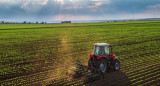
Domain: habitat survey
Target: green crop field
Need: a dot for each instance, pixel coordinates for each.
(42, 54)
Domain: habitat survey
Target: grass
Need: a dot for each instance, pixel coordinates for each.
(32, 48)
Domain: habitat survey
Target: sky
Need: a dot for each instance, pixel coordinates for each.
(61, 10)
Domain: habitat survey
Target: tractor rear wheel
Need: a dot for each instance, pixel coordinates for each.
(103, 65)
(116, 65)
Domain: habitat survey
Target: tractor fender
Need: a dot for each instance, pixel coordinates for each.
(91, 55)
(112, 56)
(102, 56)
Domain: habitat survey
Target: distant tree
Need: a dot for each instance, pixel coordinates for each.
(65, 21)
(2, 22)
(42, 23)
(24, 22)
(36, 22)
(45, 22)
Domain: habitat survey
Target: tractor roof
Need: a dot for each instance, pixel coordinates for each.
(101, 44)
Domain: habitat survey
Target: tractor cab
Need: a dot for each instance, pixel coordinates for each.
(101, 49)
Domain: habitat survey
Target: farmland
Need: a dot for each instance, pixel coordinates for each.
(42, 54)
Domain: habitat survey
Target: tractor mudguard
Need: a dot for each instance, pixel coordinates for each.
(102, 56)
(112, 56)
(91, 55)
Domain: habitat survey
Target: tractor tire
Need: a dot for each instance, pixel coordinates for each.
(116, 65)
(90, 66)
(103, 65)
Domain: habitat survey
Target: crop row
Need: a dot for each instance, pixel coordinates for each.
(137, 63)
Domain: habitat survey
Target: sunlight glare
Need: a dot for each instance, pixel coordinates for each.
(60, 1)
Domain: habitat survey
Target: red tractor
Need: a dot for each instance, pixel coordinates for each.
(102, 58)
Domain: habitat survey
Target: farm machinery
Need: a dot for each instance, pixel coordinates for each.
(103, 59)
(99, 62)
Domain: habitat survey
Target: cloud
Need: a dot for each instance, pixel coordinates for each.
(102, 1)
(8, 1)
(45, 2)
(77, 9)
(154, 6)
(33, 6)
(72, 7)
(60, 17)
(60, 1)
(43, 8)
(95, 5)
(146, 14)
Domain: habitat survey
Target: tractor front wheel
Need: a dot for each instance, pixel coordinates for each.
(116, 65)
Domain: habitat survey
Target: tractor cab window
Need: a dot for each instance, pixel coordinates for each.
(98, 51)
(106, 51)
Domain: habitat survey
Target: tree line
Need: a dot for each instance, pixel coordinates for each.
(25, 22)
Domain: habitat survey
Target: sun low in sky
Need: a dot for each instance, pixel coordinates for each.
(59, 10)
